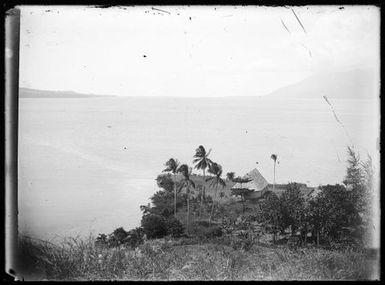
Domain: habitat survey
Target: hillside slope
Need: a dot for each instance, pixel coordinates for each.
(34, 93)
(353, 84)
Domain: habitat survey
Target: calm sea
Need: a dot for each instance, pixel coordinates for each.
(86, 165)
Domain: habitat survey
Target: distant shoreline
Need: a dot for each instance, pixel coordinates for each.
(37, 94)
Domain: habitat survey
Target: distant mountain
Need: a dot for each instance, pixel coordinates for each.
(354, 84)
(34, 93)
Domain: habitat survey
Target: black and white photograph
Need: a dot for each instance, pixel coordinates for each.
(185, 143)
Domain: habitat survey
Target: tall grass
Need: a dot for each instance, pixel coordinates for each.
(77, 259)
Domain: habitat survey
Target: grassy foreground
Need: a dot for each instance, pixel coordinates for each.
(186, 259)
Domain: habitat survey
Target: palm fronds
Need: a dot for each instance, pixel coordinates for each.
(215, 169)
(201, 158)
(184, 170)
(171, 165)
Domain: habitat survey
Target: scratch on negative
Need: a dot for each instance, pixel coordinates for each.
(307, 49)
(334, 113)
(285, 26)
(160, 10)
(335, 116)
(299, 20)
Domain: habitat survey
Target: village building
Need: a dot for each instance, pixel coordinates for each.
(259, 186)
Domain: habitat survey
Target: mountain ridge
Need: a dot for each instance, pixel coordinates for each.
(352, 84)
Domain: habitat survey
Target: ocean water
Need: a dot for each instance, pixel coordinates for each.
(86, 165)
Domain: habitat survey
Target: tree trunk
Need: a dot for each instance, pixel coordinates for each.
(274, 177)
(212, 207)
(305, 237)
(317, 237)
(175, 195)
(202, 193)
(188, 212)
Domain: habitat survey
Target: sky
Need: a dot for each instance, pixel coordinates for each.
(196, 51)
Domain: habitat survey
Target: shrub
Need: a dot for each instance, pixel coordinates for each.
(333, 213)
(154, 226)
(203, 223)
(134, 237)
(200, 230)
(243, 239)
(101, 240)
(292, 208)
(120, 234)
(214, 232)
(293, 242)
(174, 227)
(163, 203)
(117, 237)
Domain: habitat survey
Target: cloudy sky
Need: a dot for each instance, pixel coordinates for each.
(191, 51)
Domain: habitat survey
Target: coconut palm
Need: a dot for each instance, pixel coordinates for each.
(274, 157)
(230, 175)
(172, 167)
(202, 161)
(186, 183)
(216, 170)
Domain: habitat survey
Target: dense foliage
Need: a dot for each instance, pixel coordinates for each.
(271, 213)
(154, 226)
(174, 227)
(163, 201)
(339, 213)
(292, 207)
(337, 208)
(119, 236)
(241, 192)
(135, 237)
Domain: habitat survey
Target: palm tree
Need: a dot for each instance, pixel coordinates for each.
(202, 162)
(172, 166)
(274, 157)
(216, 180)
(230, 175)
(186, 183)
